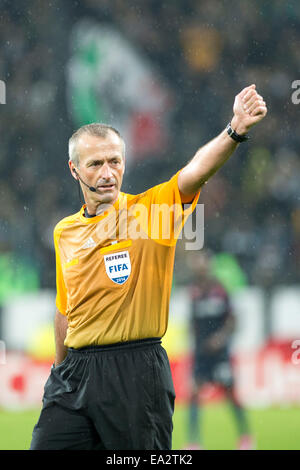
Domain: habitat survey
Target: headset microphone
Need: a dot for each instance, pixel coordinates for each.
(91, 188)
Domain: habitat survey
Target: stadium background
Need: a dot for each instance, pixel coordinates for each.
(165, 74)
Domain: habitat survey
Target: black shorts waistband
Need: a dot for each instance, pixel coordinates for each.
(116, 346)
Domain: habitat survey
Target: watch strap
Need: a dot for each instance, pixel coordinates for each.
(234, 135)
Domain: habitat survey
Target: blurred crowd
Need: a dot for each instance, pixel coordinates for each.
(207, 52)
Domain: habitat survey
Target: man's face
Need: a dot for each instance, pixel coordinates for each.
(101, 165)
(201, 265)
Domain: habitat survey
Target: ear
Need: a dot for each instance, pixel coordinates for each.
(73, 170)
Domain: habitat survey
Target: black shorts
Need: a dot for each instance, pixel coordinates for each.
(115, 397)
(214, 368)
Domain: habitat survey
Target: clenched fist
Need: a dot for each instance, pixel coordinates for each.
(249, 108)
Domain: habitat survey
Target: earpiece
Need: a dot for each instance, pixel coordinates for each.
(91, 188)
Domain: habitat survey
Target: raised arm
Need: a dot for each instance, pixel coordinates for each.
(249, 108)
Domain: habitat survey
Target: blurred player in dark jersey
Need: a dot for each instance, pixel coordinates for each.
(212, 326)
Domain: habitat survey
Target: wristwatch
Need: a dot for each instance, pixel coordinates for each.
(234, 135)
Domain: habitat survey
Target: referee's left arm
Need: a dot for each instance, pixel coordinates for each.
(60, 329)
(249, 108)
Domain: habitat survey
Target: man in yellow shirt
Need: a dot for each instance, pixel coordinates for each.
(111, 385)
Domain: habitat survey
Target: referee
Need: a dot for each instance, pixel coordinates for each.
(110, 386)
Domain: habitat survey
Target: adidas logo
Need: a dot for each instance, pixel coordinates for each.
(89, 244)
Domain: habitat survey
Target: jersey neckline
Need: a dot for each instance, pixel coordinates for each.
(97, 218)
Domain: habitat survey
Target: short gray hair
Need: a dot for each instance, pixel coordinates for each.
(96, 129)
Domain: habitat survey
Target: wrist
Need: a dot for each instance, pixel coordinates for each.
(238, 126)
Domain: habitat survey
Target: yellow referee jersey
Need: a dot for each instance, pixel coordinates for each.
(114, 271)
